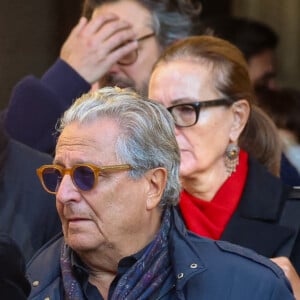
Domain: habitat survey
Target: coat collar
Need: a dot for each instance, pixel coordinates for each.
(264, 194)
(255, 223)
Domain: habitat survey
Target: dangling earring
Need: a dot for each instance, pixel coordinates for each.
(231, 158)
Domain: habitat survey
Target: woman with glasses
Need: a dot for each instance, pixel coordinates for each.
(229, 149)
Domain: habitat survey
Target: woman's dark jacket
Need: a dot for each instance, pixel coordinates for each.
(267, 219)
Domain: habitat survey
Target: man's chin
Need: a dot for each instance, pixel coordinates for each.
(80, 241)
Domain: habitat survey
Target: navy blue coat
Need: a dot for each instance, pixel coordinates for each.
(202, 269)
(27, 213)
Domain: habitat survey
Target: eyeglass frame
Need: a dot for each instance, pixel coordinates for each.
(198, 105)
(136, 51)
(70, 171)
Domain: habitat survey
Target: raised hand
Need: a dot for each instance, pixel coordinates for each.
(94, 46)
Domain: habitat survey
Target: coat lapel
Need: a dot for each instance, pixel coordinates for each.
(255, 223)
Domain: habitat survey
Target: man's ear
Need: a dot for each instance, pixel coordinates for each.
(241, 112)
(157, 179)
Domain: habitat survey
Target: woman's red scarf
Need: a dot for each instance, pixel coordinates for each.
(209, 219)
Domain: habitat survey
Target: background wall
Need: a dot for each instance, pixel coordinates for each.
(32, 32)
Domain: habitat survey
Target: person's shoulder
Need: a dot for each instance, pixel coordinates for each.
(239, 270)
(250, 256)
(225, 254)
(226, 270)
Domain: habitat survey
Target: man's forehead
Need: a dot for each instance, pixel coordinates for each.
(88, 141)
(127, 10)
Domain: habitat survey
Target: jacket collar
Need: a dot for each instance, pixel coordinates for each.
(44, 268)
(185, 258)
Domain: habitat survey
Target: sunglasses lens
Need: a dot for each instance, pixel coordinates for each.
(84, 178)
(52, 178)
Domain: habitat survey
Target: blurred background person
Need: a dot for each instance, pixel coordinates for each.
(283, 106)
(257, 41)
(224, 140)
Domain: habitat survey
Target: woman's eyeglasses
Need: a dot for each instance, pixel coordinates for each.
(187, 114)
(131, 57)
(84, 176)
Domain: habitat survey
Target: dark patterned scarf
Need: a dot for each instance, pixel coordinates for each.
(144, 278)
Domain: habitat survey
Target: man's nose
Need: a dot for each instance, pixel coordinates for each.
(67, 191)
